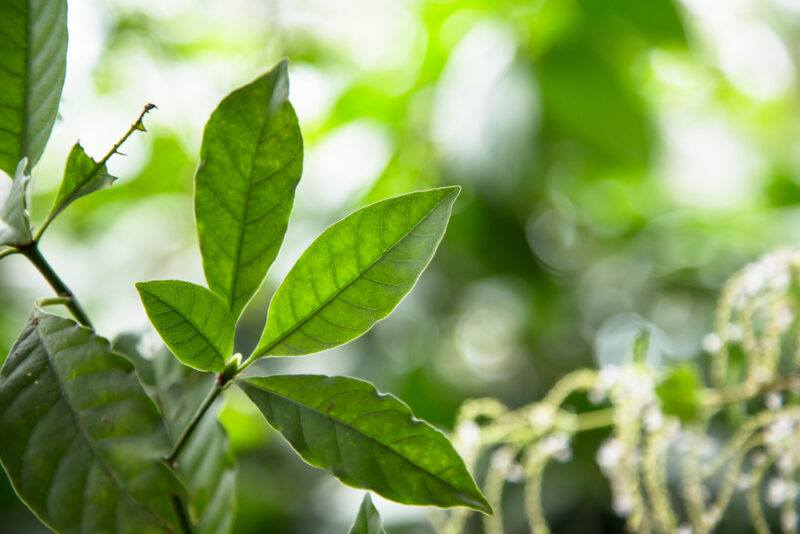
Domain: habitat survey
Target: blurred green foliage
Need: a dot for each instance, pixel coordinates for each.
(619, 160)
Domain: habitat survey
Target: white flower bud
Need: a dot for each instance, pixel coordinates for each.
(712, 343)
(610, 454)
(774, 401)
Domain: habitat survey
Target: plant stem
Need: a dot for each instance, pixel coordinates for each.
(594, 419)
(34, 255)
(8, 252)
(747, 390)
(219, 385)
(179, 507)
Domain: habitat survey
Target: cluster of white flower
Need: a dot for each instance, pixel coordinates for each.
(556, 445)
(634, 383)
(772, 272)
(609, 455)
(780, 490)
(782, 442)
(542, 417)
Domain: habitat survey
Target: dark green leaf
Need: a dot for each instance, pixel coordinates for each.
(368, 520)
(588, 102)
(33, 59)
(193, 322)
(355, 273)
(15, 228)
(365, 439)
(82, 176)
(250, 162)
(206, 464)
(680, 393)
(79, 438)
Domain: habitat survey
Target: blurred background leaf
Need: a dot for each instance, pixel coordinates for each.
(619, 160)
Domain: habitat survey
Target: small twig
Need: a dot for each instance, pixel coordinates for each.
(35, 257)
(52, 301)
(138, 124)
(8, 252)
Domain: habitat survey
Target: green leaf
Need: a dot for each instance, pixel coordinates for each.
(365, 439)
(355, 273)
(206, 464)
(680, 393)
(193, 322)
(250, 163)
(15, 227)
(82, 175)
(80, 440)
(33, 60)
(368, 520)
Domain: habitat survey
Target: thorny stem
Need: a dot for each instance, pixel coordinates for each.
(138, 124)
(34, 255)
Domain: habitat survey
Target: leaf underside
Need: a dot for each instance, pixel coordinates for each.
(206, 463)
(365, 439)
(251, 162)
(33, 58)
(193, 322)
(15, 226)
(355, 273)
(368, 520)
(79, 438)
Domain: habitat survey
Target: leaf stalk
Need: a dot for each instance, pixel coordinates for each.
(183, 439)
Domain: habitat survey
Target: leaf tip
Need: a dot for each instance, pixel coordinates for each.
(484, 507)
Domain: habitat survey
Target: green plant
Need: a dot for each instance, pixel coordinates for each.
(738, 435)
(121, 437)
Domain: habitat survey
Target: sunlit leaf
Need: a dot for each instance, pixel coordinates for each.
(206, 464)
(366, 439)
(355, 273)
(251, 161)
(193, 322)
(82, 175)
(15, 228)
(368, 520)
(80, 440)
(33, 58)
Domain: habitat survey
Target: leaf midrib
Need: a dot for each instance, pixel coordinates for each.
(76, 419)
(347, 284)
(372, 439)
(243, 220)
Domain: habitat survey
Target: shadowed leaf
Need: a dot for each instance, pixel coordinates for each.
(206, 464)
(80, 440)
(368, 520)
